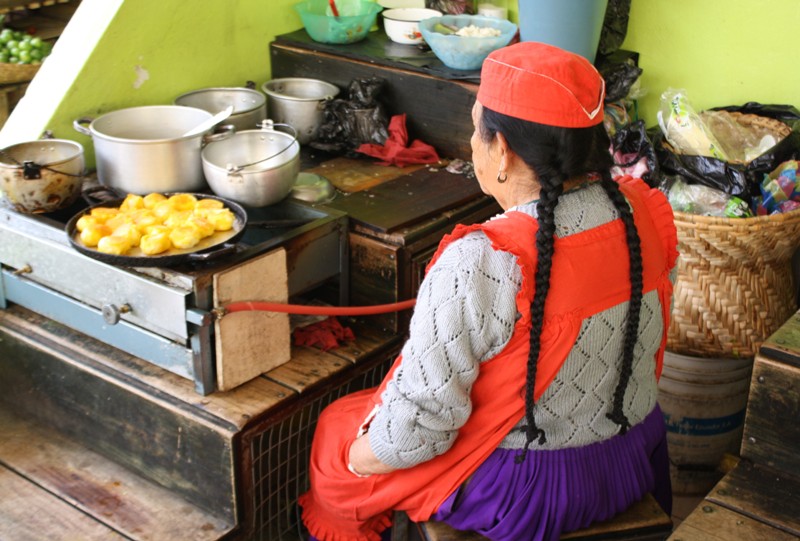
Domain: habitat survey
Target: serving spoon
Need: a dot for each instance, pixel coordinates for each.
(210, 123)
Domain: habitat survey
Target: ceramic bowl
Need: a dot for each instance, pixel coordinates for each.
(402, 24)
(392, 4)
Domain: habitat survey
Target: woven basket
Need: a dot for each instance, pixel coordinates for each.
(17, 73)
(735, 285)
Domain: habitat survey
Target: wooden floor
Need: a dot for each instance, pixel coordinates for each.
(57, 490)
(65, 492)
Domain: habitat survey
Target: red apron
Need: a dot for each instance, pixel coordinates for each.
(589, 274)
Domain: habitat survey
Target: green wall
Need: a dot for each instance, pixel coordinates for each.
(150, 52)
(722, 52)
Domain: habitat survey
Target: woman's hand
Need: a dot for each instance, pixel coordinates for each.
(363, 460)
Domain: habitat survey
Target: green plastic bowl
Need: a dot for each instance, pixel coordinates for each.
(461, 52)
(355, 19)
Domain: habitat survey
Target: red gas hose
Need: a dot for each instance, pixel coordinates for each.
(247, 306)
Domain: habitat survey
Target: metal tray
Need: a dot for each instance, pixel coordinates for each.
(211, 248)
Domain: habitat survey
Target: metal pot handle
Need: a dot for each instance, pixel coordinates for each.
(219, 133)
(267, 126)
(78, 125)
(321, 104)
(224, 249)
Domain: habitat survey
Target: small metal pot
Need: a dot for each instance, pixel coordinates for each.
(300, 103)
(249, 105)
(142, 149)
(256, 168)
(41, 176)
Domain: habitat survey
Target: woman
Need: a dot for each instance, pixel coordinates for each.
(524, 402)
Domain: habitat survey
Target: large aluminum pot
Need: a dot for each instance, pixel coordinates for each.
(142, 149)
(41, 176)
(256, 168)
(249, 105)
(300, 103)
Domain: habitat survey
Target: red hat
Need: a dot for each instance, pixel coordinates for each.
(542, 83)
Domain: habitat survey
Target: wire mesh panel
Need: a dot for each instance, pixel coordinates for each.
(280, 450)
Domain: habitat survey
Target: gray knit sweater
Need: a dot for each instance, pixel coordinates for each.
(465, 314)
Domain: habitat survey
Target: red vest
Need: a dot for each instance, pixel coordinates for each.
(590, 273)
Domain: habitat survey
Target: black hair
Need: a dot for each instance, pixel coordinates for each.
(556, 155)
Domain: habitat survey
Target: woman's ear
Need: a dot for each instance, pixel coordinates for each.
(503, 151)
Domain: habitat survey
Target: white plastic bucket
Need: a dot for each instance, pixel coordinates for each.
(704, 402)
(574, 25)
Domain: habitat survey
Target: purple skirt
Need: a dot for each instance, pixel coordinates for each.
(554, 492)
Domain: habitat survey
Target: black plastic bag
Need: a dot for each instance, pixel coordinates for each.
(615, 26)
(633, 143)
(619, 78)
(451, 7)
(349, 123)
(741, 180)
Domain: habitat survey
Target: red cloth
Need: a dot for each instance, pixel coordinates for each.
(343, 507)
(542, 83)
(327, 334)
(395, 151)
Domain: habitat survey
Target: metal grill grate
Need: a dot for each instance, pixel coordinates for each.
(281, 454)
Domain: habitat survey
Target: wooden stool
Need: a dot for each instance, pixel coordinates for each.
(643, 521)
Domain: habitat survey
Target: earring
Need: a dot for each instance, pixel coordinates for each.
(502, 176)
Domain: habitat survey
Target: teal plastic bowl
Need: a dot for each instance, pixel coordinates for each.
(462, 52)
(355, 19)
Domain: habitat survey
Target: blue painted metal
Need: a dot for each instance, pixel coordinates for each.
(151, 347)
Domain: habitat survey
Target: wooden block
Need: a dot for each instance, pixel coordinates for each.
(353, 175)
(771, 434)
(251, 343)
(643, 517)
(643, 520)
(409, 199)
(763, 493)
(712, 522)
(784, 344)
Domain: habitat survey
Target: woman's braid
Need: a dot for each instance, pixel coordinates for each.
(551, 189)
(617, 413)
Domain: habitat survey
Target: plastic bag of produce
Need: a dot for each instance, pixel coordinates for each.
(780, 190)
(736, 178)
(684, 129)
(702, 200)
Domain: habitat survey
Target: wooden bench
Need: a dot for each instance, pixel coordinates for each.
(644, 521)
(758, 498)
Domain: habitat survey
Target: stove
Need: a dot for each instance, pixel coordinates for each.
(162, 315)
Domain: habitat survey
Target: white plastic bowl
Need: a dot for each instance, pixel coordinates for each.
(402, 24)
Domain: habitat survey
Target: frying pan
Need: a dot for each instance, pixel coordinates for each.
(210, 248)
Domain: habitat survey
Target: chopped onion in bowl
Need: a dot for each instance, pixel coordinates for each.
(473, 31)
